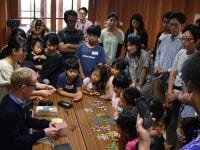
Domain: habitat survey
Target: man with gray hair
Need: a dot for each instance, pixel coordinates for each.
(14, 120)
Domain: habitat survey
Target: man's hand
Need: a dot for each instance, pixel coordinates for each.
(51, 131)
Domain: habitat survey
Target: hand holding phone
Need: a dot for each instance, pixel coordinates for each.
(144, 112)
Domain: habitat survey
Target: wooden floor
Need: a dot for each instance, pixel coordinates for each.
(90, 126)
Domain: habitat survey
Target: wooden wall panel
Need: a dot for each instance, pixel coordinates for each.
(151, 10)
(3, 18)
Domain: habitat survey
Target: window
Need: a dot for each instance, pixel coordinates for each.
(50, 11)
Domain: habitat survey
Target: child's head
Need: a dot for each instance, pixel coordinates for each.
(71, 67)
(118, 66)
(99, 76)
(37, 45)
(52, 41)
(126, 123)
(93, 32)
(120, 82)
(128, 96)
(155, 107)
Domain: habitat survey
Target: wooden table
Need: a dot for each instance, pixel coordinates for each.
(88, 123)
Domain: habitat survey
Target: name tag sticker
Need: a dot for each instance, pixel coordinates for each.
(95, 53)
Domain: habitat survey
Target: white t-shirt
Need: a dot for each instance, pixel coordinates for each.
(180, 58)
(6, 71)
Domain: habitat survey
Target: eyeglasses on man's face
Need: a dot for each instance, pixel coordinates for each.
(31, 85)
(186, 39)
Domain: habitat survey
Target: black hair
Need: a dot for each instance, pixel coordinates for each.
(15, 42)
(179, 16)
(121, 81)
(119, 63)
(94, 30)
(194, 30)
(69, 13)
(138, 17)
(112, 15)
(126, 121)
(191, 71)
(18, 31)
(155, 107)
(137, 42)
(71, 63)
(52, 37)
(197, 22)
(130, 94)
(35, 40)
(104, 77)
(84, 9)
(166, 15)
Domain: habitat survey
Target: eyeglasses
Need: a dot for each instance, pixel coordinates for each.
(186, 39)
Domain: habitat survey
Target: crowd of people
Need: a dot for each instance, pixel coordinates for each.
(82, 59)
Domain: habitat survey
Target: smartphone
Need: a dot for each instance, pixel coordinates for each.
(156, 74)
(144, 112)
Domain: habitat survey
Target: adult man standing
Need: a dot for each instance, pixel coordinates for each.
(83, 23)
(14, 120)
(70, 38)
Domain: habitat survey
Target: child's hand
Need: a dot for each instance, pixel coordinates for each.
(36, 57)
(77, 96)
(43, 57)
(38, 67)
(95, 93)
(107, 97)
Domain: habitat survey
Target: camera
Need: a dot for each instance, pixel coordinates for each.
(38, 24)
(13, 23)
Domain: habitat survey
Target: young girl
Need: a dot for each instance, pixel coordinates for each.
(37, 56)
(95, 84)
(127, 134)
(155, 131)
(127, 99)
(117, 68)
(119, 83)
(69, 82)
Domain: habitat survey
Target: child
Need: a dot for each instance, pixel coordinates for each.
(126, 123)
(119, 83)
(155, 131)
(91, 53)
(69, 82)
(37, 56)
(117, 68)
(95, 84)
(127, 100)
(53, 65)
